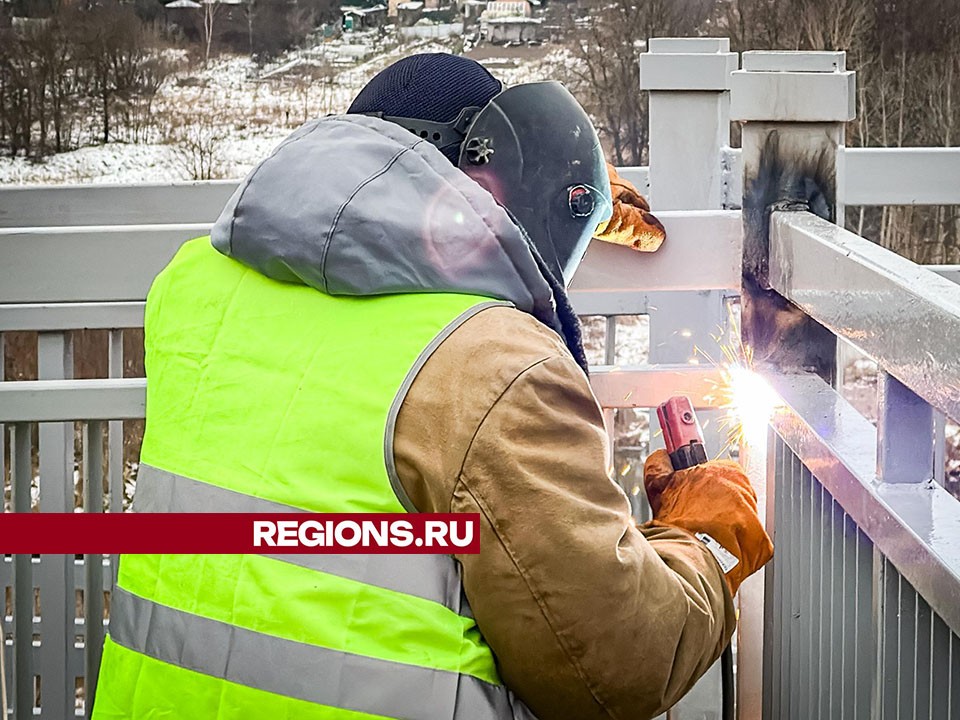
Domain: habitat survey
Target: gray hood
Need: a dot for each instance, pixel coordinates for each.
(354, 205)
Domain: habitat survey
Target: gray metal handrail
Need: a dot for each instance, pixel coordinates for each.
(86, 263)
(908, 319)
(882, 176)
(136, 204)
(33, 401)
(905, 316)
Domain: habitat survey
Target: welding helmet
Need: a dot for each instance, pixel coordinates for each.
(535, 150)
(531, 146)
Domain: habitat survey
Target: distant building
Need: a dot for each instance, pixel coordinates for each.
(510, 21)
(472, 10)
(408, 13)
(364, 18)
(513, 30)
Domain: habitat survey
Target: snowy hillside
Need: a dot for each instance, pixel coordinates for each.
(240, 114)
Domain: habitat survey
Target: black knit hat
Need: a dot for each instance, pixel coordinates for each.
(430, 86)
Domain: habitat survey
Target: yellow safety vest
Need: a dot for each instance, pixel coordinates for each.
(263, 397)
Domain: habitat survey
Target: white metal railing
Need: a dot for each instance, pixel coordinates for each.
(873, 176)
(901, 314)
(613, 281)
(85, 257)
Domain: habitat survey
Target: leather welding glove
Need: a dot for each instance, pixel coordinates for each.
(715, 498)
(632, 223)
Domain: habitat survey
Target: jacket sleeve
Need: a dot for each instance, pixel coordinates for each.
(589, 616)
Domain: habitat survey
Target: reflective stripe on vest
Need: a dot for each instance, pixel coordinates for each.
(297, 670)
(431, 577)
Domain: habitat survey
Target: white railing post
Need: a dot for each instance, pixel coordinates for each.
(688, 80)
(793, 106)
(689, 84)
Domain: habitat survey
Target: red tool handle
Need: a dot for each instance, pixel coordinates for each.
(681, 433)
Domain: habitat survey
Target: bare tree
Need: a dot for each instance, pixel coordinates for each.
(250, 8)
(608, 47)
(198, 140)
(833, 24)
(210, 11)
(58, 71)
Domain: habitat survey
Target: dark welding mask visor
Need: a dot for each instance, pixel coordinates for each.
(535, 150)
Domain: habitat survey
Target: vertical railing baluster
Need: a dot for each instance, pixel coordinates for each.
(93, 597)
(826, 604)
(954, 707)
(57, 596)
(939, 670)
(835, 632)
(115, 450)
(849, 638)
(796, 591)
(799, 566)
(867, 635)
(905, 433)
(115, 429)
(610, 341)
(21, 468)
(610, 414)
(890, 641)
(876, 662)
(774, 579)
(784, 537)
(922, 669)
(907, 644)
(815, 613)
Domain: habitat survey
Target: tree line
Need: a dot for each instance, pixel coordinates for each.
(77, 73)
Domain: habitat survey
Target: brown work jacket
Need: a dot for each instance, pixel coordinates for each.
(589, 615)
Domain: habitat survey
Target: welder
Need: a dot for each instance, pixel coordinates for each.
(379, 323)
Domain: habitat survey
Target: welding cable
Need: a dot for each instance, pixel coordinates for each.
(726, 683)
(3, 670)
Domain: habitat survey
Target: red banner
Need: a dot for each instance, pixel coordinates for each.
(233, 533)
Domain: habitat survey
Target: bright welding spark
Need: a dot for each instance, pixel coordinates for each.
(747, 397)
(750, 403)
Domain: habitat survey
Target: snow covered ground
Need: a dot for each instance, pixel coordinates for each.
(248, 111)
